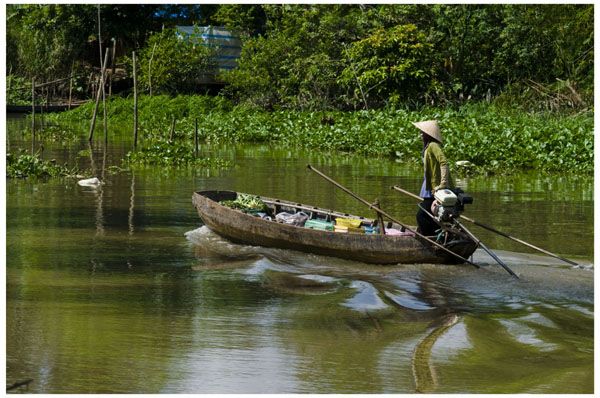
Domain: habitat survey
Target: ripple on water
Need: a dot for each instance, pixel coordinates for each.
(366, 299)
(451, 343)
(526, 335)
(407, 300)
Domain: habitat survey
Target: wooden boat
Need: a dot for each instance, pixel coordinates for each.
(241, 227)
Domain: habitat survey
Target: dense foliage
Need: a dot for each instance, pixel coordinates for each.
(331, 56)
(511, 84)
(170, 64)
(455, 53)
(495, 140)
(44, 39)
(393, 64)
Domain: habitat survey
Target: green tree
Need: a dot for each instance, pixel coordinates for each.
(466, 38)
(296, 61)
(45, 39)
(245, 20)
(173, 64)
(545, 42)
(389, 65)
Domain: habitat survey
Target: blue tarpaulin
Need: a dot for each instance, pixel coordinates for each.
(227, 45)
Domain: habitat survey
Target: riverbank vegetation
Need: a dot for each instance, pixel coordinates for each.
(495, 140)
(511, 84)
(316, 57)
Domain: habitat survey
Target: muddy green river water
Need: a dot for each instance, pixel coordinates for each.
(121, 289)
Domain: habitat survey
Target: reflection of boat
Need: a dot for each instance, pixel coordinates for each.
(240, 227)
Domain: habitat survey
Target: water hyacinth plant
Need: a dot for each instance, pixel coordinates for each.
(25, 165)
(494, 140)
(171, 154)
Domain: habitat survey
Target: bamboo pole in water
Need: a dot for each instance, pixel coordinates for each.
(92, 164)
(32, 115)
(135, 104)
(131, 205)
(98, 93)
(104, 150)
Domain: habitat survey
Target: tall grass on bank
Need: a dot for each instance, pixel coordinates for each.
(495, 140)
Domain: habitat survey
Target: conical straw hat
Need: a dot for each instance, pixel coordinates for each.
(431, 128)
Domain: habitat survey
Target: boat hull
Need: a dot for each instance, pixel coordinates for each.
(240, 227)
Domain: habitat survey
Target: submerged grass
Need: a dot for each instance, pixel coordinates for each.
(495, 140)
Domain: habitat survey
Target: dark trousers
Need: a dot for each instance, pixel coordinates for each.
(426, 224)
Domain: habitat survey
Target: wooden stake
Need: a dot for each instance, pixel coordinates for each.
(32, 115)
(44, 109)
(196, 138)
(90, 84)
(135, 104)
(41, 118)
(112, 69)
(9, 84)
(150, 69)
(71, 84)
(105, 123)
(99, 92)
(172, 130)
(99, 36)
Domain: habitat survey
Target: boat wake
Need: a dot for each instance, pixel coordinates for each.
(410, 287)
(450, 305)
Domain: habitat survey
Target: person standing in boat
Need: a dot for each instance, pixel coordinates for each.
(436, 174)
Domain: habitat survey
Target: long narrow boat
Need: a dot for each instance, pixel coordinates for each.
(241, 227)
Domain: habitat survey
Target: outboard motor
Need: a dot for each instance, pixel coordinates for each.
(449, 204)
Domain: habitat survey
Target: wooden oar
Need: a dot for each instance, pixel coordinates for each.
(474, 238)
(383, 213)
(488, 251)
(397, 188)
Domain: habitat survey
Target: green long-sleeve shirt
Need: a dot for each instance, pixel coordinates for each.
(437, 171)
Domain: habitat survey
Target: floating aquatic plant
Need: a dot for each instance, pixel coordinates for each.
(25, 165)
(167, 153)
